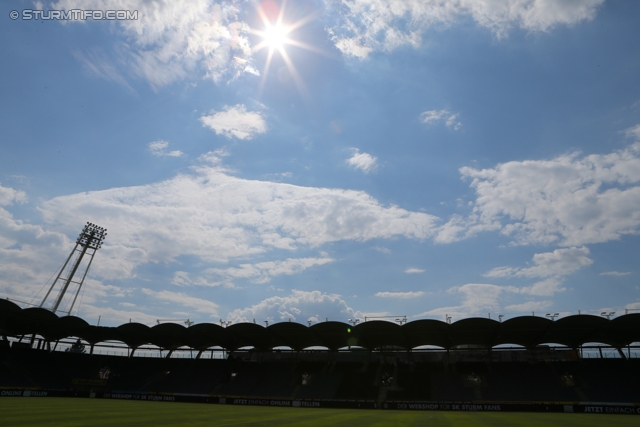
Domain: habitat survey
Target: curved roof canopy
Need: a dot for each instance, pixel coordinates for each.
(134, 334)
(205, 335)
(292, 335)
(527, 331)
(427, 332)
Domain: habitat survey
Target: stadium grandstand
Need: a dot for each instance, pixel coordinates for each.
(523, 363)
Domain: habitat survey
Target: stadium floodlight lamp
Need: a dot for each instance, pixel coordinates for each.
(552, 316)
(354, 322)
(309, 322)
(607, 315)
(266, 322)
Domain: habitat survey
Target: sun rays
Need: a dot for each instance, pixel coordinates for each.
(276, 35)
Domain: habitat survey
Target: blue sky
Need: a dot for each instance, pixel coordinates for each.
(422, 158)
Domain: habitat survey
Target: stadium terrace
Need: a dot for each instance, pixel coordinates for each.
(525, 363)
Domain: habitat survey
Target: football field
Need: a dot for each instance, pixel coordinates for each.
(102, 412)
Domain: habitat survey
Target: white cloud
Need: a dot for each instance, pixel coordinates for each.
(263, 272)
(382, 249)
(170, 40)
(299, 306)
(97, 63)
(633, 132)
(95, 291)
(634, 306)
(351, 46)
(235, 122)
(546, 287)
(26, 252)
(477, 299)
(560, 262)
(529, 306)
(200, 305)
(183, 278)
(9, 196)
(414, 271)
(217, 217)
(365, 26)
(110, 316)
(434, 116)
(29, 255)
(400, 295)
(363, 161)
(615, 273)
(552, 267)
(569, 200)
(157, 148)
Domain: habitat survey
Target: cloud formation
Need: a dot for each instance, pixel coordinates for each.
(9, 196)
(365, 26)
(217, 217)
(479, 299)
(363, 161)
(299, 306)
(170, 40)
(198, 304)
(570, 200)
(615, 273)
(414, 271)
(235, 122)
(97, 63)
(25, 251)
(529, 306)
(434, 116)
(263, 272)
(400, 295)
(157, 148)
(560, 262)
(551, 267)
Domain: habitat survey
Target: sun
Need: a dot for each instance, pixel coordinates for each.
(275, 35)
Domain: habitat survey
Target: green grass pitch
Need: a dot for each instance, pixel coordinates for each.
(102, 412)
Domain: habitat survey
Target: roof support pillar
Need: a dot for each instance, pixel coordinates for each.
(622, 355)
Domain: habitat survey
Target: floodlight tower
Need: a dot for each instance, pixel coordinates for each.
(88, 243)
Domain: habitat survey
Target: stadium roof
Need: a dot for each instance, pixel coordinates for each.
(527, 331)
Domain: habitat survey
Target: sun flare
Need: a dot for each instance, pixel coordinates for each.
(275, 36)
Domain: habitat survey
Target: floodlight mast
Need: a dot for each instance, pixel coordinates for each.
(88, 243)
